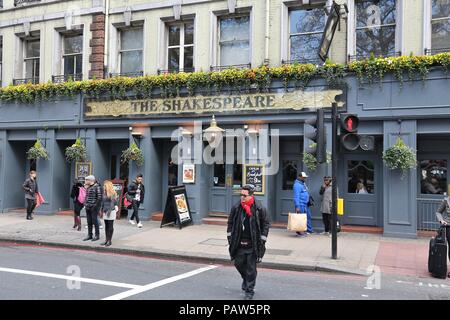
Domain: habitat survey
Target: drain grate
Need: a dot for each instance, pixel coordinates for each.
(278, 252)
(215, 242)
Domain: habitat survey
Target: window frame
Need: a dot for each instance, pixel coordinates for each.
(120, 50)
(181, 46)
(64, 55)
(33, 59)
(431, 156)
(351, 30)
(1, 60)
(428, 26)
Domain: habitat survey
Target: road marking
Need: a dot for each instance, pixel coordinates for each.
(64, 277)
(157, 284)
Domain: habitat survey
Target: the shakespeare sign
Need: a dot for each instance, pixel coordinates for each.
(316, 97)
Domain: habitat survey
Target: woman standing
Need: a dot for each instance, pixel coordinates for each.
(109, 210)
(78, 196)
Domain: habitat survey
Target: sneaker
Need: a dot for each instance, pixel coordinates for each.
(132, 222)
(324, 233)
(139, 225)
(100, 227)
(85, 227)
(301, 234)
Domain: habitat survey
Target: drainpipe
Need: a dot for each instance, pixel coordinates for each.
(267, 37)
(106, 48)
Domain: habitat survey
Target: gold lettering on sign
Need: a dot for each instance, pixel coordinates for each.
(317, 97)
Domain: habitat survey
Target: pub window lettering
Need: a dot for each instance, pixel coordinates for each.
(375, 28)
(305, 33)
(440, 25)
(131, 50)
(234, 43)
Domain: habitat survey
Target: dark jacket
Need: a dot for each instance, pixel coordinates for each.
(259, 228)
(30, 187)
(443, 212)
(94, 197)
(132, 191)
(76, 192)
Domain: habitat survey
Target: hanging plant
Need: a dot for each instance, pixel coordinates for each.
(76, 152)
(311, 162)
(133, 153)
(400, 156)
(37, 151)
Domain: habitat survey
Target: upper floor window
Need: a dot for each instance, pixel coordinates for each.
(1, 59)
(375, 28)
(305, 33)
(180, 49)
(234, 40)
(131, 50)
(440, 25)
(32, 59)
(73, 56)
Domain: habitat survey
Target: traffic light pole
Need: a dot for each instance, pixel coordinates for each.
(334, 169)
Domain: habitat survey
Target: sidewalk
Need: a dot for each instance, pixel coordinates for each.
(356, 252)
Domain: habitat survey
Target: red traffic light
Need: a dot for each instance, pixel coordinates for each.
(349, 122)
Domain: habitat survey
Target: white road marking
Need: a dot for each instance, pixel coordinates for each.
(157, 284)
(64, 277)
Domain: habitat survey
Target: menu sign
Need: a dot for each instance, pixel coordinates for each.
(254, 175)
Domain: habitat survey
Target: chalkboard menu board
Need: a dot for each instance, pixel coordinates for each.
(254, 175)
(118, 185)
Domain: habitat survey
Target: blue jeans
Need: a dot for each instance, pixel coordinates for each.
(305, 209)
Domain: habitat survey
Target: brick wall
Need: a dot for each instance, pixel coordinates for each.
(97, 44)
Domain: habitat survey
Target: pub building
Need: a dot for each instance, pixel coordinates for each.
(58, 41)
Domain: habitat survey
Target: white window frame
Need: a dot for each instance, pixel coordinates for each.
(288, 28)
(63, 54)
(351, 30)
(427, 28)
(25, 59)
(181, 45)
(120, 50)
(1, 60)
(219, 42)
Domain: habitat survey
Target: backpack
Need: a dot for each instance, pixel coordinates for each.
(81, 195)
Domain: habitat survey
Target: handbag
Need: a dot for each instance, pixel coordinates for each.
(39, 199)
(297, 222)
(127, 203)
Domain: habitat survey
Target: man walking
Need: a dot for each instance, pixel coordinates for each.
(247, 232)
(325, 208)
(31, 188)
(136, 191)
(94, 196)
(302, 199)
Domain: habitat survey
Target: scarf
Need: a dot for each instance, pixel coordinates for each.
(247, 206)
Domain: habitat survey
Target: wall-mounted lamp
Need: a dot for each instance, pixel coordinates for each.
(136, 134)
(185, 132)
(252, 132)
(213, 132)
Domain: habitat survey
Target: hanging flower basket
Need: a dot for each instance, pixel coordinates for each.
(76, 152)
(311, 162)
(400, 156)
(133, 153)
(37, 151)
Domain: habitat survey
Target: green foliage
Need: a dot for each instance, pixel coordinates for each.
(311, 162)
(37, 151)
(76, 152)
(400, 156)
(133, 153)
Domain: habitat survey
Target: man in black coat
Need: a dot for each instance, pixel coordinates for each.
(248, 227)
(136, 193)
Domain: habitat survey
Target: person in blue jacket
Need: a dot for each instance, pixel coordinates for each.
(301, 200)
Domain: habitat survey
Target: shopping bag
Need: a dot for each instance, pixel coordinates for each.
(127, 203)
(39, 199)
(297, 222)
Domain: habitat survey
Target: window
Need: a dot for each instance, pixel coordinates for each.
(32, 60)
(73, 56)
(180, 50)
(360, 177)
(172, 173)
(1, 59)
(131, 48)
(289, 174)
(237, 175)
(219, 175)
(433, 178)
(305, 33)
(375, 28)
(234, 40)
(440, 25)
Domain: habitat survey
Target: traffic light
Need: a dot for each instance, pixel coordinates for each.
(318, 136)
(349, 131)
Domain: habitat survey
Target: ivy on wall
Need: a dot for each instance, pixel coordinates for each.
(242, 80)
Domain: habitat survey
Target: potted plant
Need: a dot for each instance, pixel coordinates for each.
(76, 152)
(400, 156)
(133, 153)
(37, 151)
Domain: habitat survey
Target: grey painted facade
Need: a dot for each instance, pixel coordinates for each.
(396, 204)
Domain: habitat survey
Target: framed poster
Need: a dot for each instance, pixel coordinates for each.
(83, 169)
(254, 174)
(119, 186)
(188, 173)
(177, 210)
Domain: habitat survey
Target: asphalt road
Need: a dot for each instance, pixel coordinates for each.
(28, 272)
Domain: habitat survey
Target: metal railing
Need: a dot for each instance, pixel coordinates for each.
(127, 74)
(187, 70)
(33, 80)
(20, 2)
(316, 61)
(436, 51)
(426, 214)
(357, 57)
(67, 77)
(237, 66)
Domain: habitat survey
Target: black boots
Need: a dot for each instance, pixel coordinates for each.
(89, 237)
(78, 220)
(74, 222)
(109, 234)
